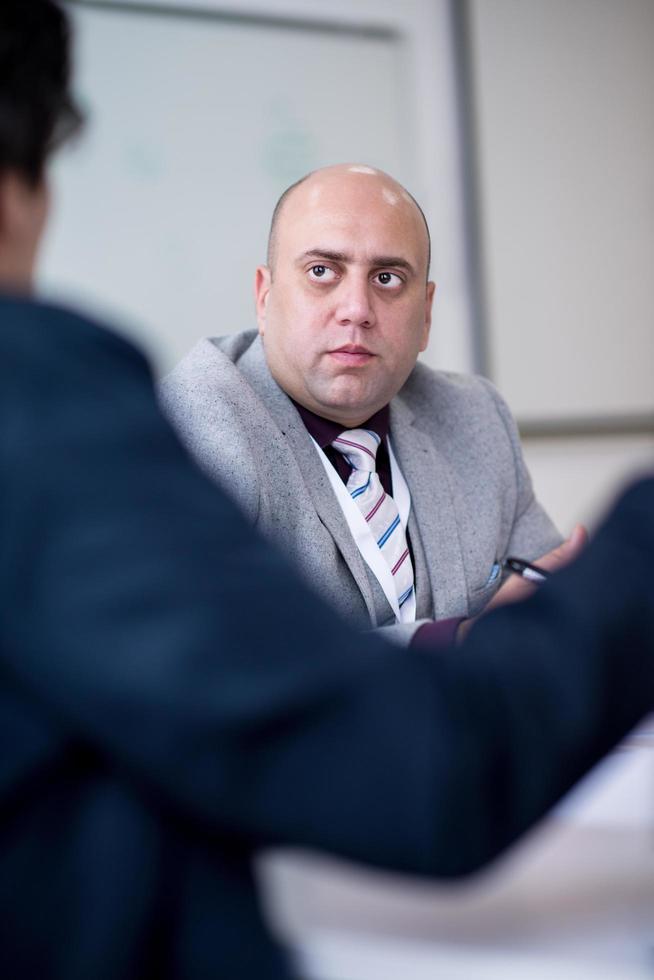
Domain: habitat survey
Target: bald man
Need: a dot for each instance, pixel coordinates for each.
(396, 489)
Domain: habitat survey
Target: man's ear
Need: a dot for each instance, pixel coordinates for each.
(429, 299)
(262, 282)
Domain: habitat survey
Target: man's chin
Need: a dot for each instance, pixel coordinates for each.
(348, 408)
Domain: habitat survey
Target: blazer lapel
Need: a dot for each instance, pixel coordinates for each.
(433, 517)
(254, 368)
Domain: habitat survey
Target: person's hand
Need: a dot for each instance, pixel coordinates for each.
(516, 588)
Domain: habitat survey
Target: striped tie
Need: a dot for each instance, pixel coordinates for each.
(359, 446)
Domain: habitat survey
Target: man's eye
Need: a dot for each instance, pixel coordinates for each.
(389, 280)
(321, 273)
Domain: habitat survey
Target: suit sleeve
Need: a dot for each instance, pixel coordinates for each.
(533, 533)
(150, 622)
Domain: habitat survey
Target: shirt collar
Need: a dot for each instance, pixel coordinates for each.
(324, 431)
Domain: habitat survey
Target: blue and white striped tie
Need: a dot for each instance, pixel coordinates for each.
(359, 446)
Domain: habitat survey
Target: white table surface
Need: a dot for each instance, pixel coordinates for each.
(574, 899)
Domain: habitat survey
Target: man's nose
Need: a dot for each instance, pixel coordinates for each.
(355, 303)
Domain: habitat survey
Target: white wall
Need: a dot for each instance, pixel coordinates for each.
(566, 141)
(565, 135)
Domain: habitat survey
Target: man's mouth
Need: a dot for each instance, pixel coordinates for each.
(352, 354)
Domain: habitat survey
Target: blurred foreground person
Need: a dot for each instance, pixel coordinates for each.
(152, 736)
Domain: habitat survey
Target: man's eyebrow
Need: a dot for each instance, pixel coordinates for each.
(395, 260)
(376, 261)
(325, 253)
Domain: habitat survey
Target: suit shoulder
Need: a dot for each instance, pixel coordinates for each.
(64, 381)
(218, 415)
(428, 390)
(207, 385)
(211, 357)
(465, 409)
(53, 343)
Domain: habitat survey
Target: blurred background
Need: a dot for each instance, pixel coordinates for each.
(524, 127)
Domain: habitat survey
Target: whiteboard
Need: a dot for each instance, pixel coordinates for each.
(196, 125)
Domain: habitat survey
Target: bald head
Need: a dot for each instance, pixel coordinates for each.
(384, 192)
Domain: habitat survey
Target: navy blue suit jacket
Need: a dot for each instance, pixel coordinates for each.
(172, 697)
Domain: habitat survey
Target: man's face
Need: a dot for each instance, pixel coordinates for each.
(346, 308)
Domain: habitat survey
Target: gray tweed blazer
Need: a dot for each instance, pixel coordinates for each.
(457, 445)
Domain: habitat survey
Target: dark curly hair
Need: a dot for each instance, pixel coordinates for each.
(37, 111)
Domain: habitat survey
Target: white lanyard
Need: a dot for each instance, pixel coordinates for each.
(363, 537)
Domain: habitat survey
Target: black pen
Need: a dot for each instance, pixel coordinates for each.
(533, 573)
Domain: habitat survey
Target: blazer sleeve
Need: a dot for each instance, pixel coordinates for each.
(533, 532)
(145, 618)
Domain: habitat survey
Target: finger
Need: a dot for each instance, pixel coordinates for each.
(565, 552)
(577, 541)
(515, 589)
